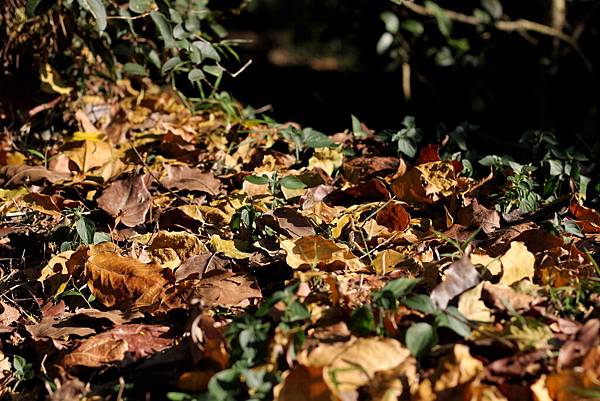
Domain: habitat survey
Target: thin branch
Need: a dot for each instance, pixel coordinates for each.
(508, 26)
(520, 25)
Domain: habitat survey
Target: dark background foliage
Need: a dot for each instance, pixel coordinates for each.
(316, 62)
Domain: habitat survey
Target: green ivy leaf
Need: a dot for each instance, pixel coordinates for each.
(494, 7)
(207, 50)
(101, 237)
(85, 229)
(315, 139)
(140, 6)
(291, 182)
(96, 7)
(170, 64)
(257, 179)
(135, 69)
(362, 321)
(196, 75)
(420, 338)
(164, 28)
(391, 21)
(452, 319)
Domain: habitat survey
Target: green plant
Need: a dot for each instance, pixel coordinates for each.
(23, 369)
(168, 40)
(76, 230)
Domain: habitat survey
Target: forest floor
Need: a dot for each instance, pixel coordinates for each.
(158, 254)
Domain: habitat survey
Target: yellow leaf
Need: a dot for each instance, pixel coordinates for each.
(228, 248)
(493, 265)
(314, 251)
(472, 307)
(386, 260)
(49, 77)
(87, 136)
(327, 159)
(517, 263)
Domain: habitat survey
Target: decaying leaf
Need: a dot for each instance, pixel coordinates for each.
(517, 263)
(340, 369)
(125, 343)
(459, 277)
(124, 282)
(315, 251)
(127, 200)
(426, 183)
(191, 179)
(222, 288)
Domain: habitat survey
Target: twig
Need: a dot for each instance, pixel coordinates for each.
(519, 25)
(44, 106)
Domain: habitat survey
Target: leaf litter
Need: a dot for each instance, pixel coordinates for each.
(207, 256)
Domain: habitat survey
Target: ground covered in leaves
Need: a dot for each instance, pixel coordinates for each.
(160, 254)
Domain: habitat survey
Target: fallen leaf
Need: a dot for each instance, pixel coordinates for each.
(288, 222)
(315, 251)
(360, 168)
(459, 277)
(229, 248)
(327, 159)
(90, 155)
(14, 176)
(452, 376)
(504, 298)
(191, 179)
(472, 307)
(226, 289)
(196, 266)
(386, 260)
(350, 365)
(125, 343)
(127, 200)
(393, 216)
(124, 282)
(8, 314)
(475, 214)
(517, 264)
(426, 183)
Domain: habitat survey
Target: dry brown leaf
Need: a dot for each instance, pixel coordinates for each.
(191, 179)
(475, 214)
(364, 167)
(351, 365)
(197, 266)
(219, 288)
(316, 251)
(453, 373)
(588, 219)
(504, 298)
(125, 343)
(303, 383)
(8, 314)
(426, 183)
(517, 264)
(459, 277)
(14, 176)
(393, 216)
(124, 282)
(127, 200)
(327, 159)
(184, 245)
(288, 222)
